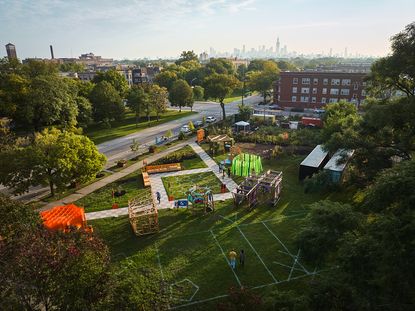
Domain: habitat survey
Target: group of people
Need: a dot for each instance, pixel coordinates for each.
(223, 170)
(233, 256)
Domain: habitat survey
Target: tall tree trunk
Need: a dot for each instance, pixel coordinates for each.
(223, 109)
(136, 119)
(180, 108)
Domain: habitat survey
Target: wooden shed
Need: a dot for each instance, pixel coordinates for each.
(314, 162)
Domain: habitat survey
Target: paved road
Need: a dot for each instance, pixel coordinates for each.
(119, 148)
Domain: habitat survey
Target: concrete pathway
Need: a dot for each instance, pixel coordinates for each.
(80, 193)
(157, 183)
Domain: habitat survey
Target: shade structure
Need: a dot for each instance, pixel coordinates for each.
(61, 217)
(245, 164)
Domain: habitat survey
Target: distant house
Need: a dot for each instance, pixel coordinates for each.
(337, 164)
(314, 162)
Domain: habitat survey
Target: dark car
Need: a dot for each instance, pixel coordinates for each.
(198, 123)
(274, 107)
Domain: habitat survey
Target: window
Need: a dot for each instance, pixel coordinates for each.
(295, 89)
(363, 93)
(295, 80)
(293, 98)
(314, 90)
(313, 99)
(355, 86)
(333, 100)
(334, 92)
(325, 81)
(344, 92)
(304, 99)
(315, 81)
(305, 90)
(323, 100)
(346, 82)
(324, 91)
(335, 81)
(305, 81)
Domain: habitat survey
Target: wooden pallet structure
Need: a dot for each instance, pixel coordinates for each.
(143, 215)
(162, 168)
(265, 188)
(146, 179)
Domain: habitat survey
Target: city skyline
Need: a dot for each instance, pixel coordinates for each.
(162, 29)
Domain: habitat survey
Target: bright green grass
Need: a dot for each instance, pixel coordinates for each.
(187, 248)
(177, 186)
(102, 198)
(188, 164)
(128, 126)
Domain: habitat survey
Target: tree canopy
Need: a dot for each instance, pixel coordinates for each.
(114, 78)
(106, 102)
(181, 94)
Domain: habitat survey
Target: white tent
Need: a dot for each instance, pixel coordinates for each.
(242, 125)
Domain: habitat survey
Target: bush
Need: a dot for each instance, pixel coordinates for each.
(319, 182)
(152, 149)
(181, 136)
(177, 156)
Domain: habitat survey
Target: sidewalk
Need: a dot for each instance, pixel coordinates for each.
(157, 184)
(80, 193)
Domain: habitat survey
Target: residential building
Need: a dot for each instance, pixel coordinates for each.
(11, 51)
(315, 89)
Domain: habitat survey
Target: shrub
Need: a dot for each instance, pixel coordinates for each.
(152, 149)
(319, 182)
(181, 136)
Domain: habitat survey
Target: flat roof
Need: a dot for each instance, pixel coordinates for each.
(315, 157)
(334, 165)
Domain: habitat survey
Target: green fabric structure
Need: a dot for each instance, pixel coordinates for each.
(245, 164)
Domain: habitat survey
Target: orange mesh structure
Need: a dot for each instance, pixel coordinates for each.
(61, 217)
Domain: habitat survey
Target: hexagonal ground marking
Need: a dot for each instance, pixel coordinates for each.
(188, 283)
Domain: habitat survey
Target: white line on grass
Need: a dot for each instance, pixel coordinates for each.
(226, 258)
(287, 266)
(294, 263)
(226, 218)
(197, 302)
(285, 247)
(273, 277)
(159, 263)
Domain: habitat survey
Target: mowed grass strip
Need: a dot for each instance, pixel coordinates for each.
(98, 134)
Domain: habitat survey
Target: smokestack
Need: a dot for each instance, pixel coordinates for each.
(51, 52)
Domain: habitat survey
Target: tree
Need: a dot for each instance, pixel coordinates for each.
(107, 103)
(219, 66)
(136, 101)
(54, 158)
(240, 299)
(181, 94)
(396, 72)
(218, 86)
(114, 78)
(245, 112)
(158, 97)
(48, 270)
(198, 92)
(187, 56)
(135, 146)
(263, 80)
(166, 79)
(84, 111)
(191, 126)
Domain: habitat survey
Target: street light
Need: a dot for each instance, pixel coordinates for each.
(191, 82)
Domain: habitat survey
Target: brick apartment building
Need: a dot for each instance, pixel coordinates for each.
(315, 89)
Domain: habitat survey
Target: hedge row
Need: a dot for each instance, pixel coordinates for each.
(185, 153)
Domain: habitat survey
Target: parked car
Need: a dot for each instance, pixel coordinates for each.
(274, 107)
(319, 111)
(210, 119)
(198, 123)
(185, 129)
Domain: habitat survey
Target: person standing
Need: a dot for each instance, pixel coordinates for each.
(232, 259)
(229, 172)
(242, 258)
(158, 196)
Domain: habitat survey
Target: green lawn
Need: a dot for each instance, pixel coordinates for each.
(177, 186)
(186, 164)
(191, 245)
(102, 198)
(127, 126)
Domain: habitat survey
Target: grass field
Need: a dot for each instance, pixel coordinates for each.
(190, 251)
(98, 134)
(102, 198)
(187, 164)
(177, 186)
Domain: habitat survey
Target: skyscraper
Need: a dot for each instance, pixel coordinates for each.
(277, 47)
(11, 51)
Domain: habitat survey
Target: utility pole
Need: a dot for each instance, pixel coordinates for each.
(243, 85)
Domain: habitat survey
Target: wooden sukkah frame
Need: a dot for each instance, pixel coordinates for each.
(269, 184)
(143, 215)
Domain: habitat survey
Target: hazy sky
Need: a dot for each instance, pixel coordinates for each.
(164, 28)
